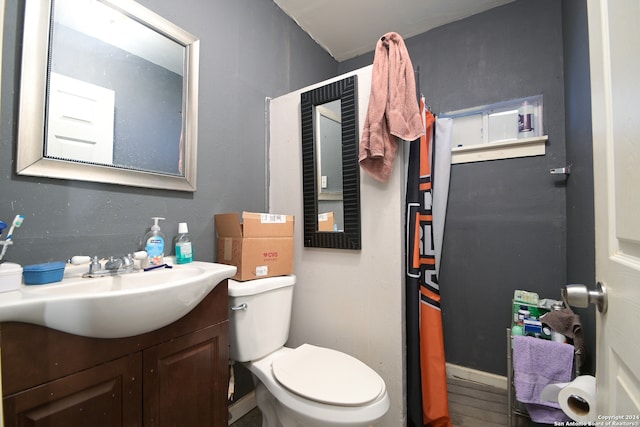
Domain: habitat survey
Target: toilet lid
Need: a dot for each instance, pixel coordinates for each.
(327, 376)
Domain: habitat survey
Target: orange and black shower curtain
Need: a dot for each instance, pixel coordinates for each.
(427, 402)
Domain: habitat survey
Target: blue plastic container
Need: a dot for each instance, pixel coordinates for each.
(40, 274)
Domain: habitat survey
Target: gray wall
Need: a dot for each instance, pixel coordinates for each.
(507, 223)
(580, 219)
(250, 50)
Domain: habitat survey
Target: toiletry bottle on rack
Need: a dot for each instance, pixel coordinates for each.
(154, 243)
(184, 250)
(523, 313)
(525, 121)
(557, 336)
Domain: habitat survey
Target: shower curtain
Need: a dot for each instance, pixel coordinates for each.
(427, 190)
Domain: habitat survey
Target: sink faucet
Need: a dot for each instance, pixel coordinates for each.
(112, 267)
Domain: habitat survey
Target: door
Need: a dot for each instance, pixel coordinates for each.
(80, 120)
(614, 31)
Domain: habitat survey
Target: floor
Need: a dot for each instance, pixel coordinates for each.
(470, 405)
(252, 419)
(480, 405)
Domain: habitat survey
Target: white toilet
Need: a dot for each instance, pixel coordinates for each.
(308, 386)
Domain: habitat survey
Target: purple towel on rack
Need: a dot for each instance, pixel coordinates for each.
(537, 363)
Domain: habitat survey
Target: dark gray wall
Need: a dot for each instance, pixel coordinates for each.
(249, 50)
(507, 221)
(580, 219)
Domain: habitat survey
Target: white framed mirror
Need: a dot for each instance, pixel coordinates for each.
(109, 93)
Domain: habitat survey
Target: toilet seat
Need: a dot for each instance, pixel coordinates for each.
(327, 376)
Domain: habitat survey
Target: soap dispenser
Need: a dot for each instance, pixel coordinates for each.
(154, 243)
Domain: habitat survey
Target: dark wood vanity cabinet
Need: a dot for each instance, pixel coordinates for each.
(185, 380)
(105, 395)
(174, 376)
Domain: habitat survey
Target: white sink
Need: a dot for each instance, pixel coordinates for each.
(115, 306)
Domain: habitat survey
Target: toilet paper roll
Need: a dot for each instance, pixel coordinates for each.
(577, 399)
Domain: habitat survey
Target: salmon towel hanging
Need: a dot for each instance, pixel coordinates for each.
(427, 401)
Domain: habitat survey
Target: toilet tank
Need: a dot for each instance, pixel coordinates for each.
(259, 316)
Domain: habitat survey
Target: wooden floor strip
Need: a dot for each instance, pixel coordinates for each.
(475, 404)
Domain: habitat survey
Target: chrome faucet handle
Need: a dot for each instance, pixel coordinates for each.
(127, 261)
(113, 264)
(95, 265)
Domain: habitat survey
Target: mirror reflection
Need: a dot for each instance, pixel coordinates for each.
(328, 130)
(109, 93)
(115, 90)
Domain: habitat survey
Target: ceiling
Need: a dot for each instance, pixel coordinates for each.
(348, 28)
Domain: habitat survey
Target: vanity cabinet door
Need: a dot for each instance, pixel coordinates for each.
(185, 380)
(106, 395)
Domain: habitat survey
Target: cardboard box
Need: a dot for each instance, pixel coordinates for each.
(260, 246)
(326, 222)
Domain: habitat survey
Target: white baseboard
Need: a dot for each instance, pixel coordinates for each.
(242, 407)
(487, 378)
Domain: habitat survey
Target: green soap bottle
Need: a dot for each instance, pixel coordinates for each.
(184, 250)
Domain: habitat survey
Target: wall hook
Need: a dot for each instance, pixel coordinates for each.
(558, 171)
